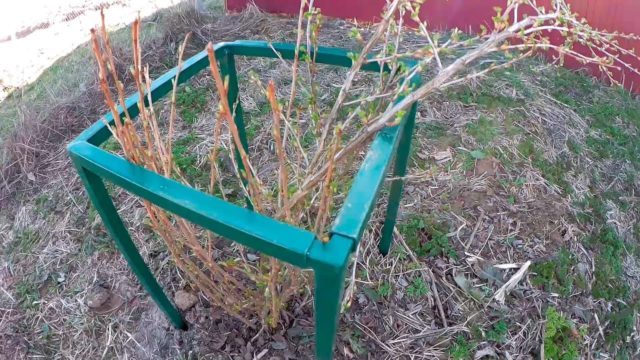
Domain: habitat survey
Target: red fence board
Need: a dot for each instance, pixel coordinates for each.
(612, 15)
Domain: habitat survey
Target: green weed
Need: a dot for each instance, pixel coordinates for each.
(611, 114)
(354, 338)
(93, 244)
(561, 339)
(428, 238)
(45, 205)
(433, 130)
(555, 275)
(254, 122)
(418, 288)
(594, 210)
(484, 130)
(551, 171)
(609, 283)
(613, 142)
(192, 102)
(111, 145)
(571, 87)
(187, 161)
(468, 162)
(574, 147)
(484, 98)
(399, 253)
(24, 242)
(622, 321)
(619, 104)
(461, 349)
(511, 77)
(498, 332)
(384, 289)
(510, 123)
(27, 294)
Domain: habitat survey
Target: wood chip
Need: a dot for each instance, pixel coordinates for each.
(509, 285)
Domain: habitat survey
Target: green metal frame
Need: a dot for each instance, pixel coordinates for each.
(285, 242)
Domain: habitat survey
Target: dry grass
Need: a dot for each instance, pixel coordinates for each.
(501, 209)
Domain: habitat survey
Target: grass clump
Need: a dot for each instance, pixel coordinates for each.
(111, 145)
(611, 110)
(613, 142)
(570, 87)
(27, 294)
(551, 171)
(594, 210)
(384, 290)
(498, 332)
(484, 130)
(428, 238)
(191, 103)
(609, 283)
(485, 99)
(461, 349)
(418, 288)
(187, 162)
(621, 321)
(555, 275)
(561, 339)
(24, 242)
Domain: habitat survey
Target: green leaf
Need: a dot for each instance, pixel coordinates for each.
(478, 154)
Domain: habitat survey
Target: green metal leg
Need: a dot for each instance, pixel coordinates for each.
(329, 262)
(228, 69)
(397, 185)
(328, 288)
(104, 205)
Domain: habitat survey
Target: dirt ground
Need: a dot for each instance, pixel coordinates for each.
(535, 167)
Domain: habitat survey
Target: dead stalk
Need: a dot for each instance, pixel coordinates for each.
(327, 193)
(282, 160)
(255, 191)
(172, 113)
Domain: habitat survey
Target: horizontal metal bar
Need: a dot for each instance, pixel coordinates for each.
(324, 55)
(97, 133)
(259, 232)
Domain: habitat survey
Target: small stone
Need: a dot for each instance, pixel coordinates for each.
(362, 299)
(583, 269)
(97, 297)
(184, 300)
(61, 277)
(276, 345)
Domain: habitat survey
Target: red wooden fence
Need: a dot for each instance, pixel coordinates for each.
(612, 15)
